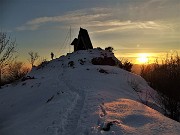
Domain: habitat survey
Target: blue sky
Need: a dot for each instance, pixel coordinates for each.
(130, 26)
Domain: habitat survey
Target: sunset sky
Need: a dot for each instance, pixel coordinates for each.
(132, 27)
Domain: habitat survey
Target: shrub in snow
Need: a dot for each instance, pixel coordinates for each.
(99, 48)
(127, 66)
(111, 62)
(110, 49)
(15, 71)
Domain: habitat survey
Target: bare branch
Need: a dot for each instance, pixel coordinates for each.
(7, 50)
(33, 57)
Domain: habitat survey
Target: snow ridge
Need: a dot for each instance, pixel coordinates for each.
(79, 100)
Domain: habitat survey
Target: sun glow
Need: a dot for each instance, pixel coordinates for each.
(142, 58)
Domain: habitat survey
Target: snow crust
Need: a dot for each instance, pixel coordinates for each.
(79, 100)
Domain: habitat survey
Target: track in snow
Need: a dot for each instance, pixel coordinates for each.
(75, 114)
(73, 117)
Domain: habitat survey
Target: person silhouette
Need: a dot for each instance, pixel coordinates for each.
(52, 55)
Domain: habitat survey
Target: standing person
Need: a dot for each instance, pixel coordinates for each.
(52, 55)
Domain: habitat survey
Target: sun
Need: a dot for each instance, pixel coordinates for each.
(142, 58)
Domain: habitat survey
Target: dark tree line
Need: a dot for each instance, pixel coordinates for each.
(165, 79)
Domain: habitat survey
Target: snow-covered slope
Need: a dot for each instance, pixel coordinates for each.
(78, 98)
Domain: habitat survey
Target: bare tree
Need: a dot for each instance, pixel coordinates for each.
(33, 57)
(7, 49)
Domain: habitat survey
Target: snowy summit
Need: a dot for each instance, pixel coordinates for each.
(82, 93)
